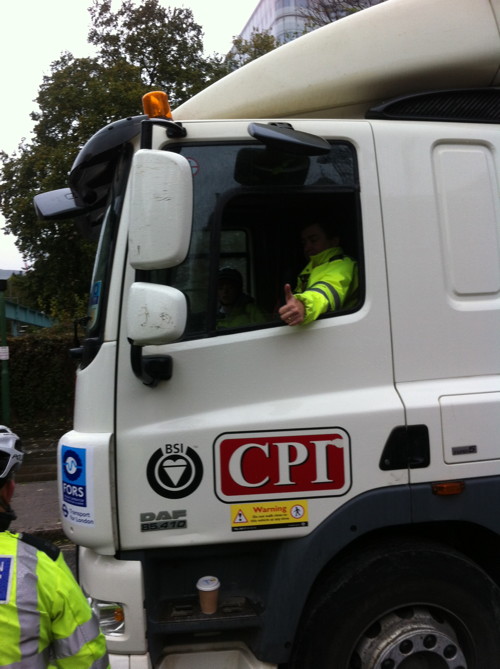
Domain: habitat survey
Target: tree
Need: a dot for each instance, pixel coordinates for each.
(321, 12)
(16, 291)
(139, 48)
(243, 51)
(165, 44)
(78, 98)
(81, 96)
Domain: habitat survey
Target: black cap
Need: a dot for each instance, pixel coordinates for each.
(230, 274)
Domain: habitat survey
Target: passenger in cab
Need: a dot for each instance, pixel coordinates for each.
(235, 308)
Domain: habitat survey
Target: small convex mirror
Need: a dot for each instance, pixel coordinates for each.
(155, 314)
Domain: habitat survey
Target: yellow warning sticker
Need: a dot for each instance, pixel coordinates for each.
(269, 516)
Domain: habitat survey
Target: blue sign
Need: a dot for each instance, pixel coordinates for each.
(74, 475)
(5, 577)
(96, 293)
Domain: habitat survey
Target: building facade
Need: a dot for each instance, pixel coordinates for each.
(282, 18)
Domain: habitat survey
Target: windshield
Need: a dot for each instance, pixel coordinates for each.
(104, 256)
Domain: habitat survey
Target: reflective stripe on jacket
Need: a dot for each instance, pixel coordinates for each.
(328, 282)
(45, 619)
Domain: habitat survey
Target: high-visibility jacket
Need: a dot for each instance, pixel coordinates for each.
(45, 619)
(328, 282)
(244, 312)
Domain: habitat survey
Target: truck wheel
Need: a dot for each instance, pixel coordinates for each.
(402, 607)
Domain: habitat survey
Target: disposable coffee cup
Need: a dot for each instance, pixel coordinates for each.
(208, 591)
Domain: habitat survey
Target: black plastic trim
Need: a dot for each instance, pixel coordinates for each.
(408, 447)
(173, 130)
(468, 105)
(284, 138)
(150, 368)
(93, 170)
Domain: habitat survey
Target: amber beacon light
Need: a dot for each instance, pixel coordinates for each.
(156, 105)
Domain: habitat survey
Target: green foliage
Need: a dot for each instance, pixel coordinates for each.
(138, 48)
(243, 51)
(79, 97)
(164, 43)
(18, 291)
(42, 377)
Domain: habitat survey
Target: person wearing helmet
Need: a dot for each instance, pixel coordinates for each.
(236, 309)
(45, 619)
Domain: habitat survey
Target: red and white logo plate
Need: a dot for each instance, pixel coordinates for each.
(282, 464)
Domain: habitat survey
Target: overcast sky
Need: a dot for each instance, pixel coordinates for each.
(33, 34)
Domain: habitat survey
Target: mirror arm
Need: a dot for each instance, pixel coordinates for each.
(150, 368)
(173, 130)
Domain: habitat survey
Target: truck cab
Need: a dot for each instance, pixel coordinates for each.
(339, 478)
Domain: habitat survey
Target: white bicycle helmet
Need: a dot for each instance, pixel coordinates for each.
(11, 455)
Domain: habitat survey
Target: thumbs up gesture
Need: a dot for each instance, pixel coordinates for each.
(292, 312)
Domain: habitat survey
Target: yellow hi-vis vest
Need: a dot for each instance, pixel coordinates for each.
(327, 283)
(45, 619)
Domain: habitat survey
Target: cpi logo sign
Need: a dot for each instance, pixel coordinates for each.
(280, 465)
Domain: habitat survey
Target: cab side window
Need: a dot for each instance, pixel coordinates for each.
(251, 205)
(277, 252)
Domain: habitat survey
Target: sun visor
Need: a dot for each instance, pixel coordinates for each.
(261, 166)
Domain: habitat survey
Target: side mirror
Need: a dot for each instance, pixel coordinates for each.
(155, 314)
(58, 205)
(159, 209)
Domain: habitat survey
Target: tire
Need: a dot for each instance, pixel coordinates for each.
(402, 606)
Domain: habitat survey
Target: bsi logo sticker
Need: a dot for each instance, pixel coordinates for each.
(278, 465)
(174, 471)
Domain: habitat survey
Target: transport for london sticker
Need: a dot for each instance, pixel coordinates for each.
(77, 493)
(174, 471)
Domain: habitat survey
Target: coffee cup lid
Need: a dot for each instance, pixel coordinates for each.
(207, 583)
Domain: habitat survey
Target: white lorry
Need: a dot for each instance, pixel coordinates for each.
(341, 479)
